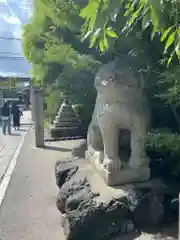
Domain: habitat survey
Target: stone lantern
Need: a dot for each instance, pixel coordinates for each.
(66, 123)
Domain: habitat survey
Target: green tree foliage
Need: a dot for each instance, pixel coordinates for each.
(162, 16)
(107, 22)
(52, 42)
(52, 102)
(60, 61)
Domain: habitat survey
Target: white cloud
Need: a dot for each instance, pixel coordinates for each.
(12, 20)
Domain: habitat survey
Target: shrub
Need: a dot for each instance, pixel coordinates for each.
(85, 112)
(52, 102)
(163, 148)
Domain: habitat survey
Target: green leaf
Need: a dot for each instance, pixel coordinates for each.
(106, 44)
(111, 33)
(90, 9)
(177, 50)
(135, 14)
(153, 34)
(146, 21)
(169, 60)
(93, 41)
(165, 33)
(101, 46)
(154, 16)
(170, 41)
(129, 9)
(94, 38)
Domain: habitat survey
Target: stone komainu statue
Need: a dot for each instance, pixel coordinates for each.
(120, 104)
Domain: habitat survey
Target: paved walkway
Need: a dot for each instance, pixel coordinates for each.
(9, 143)
(28, 211)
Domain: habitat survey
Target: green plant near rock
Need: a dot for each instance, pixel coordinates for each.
(52, 105)
(163, 148)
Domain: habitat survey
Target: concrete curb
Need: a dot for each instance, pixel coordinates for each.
(7, 177)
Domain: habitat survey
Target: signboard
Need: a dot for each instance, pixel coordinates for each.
(9, 83)
(12, 82)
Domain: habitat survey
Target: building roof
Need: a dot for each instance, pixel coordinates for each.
(13, 14)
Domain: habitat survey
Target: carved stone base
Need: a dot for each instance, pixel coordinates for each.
(117, 176)
(66, 132)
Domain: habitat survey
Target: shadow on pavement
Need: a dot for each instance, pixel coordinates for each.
(79, 151)
(169, 232)
(130, 236)
(15, 134)
(58, 149)
(20, 130)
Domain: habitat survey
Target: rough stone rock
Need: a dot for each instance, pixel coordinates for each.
(63, 171)
(85, 218)
(171, 209)
(97, 221)
(147, 208)
(73, 192)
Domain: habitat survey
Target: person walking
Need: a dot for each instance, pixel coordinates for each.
(16, 113)
(6, 118)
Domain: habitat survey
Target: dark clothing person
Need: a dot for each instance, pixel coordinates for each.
(6, 118)
(5, 112)
(16, 113)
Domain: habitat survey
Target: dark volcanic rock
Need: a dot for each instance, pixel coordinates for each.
(85, 218)
(147, 208)
(74, 191)
(64, 171)
(97, 221)
(82, 196)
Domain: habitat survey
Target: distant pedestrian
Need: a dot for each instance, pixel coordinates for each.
(6, 118)
(16, 113)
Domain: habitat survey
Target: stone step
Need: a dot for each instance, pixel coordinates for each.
(66, 132)
(66, 118)
(66, 114)
(67, 124)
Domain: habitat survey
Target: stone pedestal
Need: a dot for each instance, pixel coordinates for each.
(66, 123)
(117, 176)
(38, 117)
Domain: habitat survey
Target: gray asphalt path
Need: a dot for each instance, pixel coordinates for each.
(28, 211)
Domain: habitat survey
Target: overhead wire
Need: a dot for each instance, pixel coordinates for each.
(10, 38)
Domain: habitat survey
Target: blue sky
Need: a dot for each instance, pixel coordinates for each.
(13, 14)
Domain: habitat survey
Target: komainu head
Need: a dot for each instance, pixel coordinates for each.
(115, 75)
